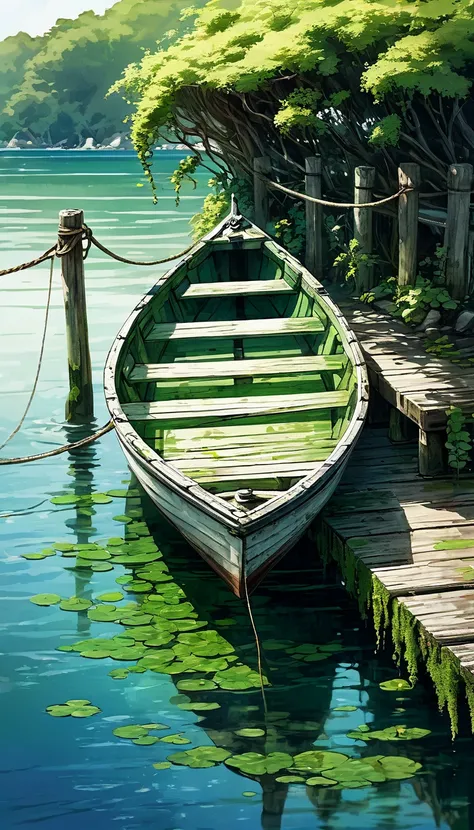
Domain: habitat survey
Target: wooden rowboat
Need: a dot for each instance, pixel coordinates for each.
(238, 393)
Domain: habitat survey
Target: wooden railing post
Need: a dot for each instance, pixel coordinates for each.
(80, 401)
(262, 169)
(364, 180)
(408, 176)
(314, 217)
(457, 229)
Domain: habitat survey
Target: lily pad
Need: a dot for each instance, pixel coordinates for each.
(96, 555)
(119, 674)
(124, 519)
(100, 498)
(177, 739)
(253, 763)
(112, 596)
(396, 767)
(130, 732)
(250, 733)
(396, 685)
(201, 757)
(198, 707)
(290, 779)
(63, 547)
(318, 760)
(250, 793)
(75, 604)
(397, 733)
(85, 711)
(345, 709)
(319, 781)
(118, 494)
(238, 678)
(66, 499)
(162, 765)
(146, 740)
(73, 708)
(45, 599)
(201, 685)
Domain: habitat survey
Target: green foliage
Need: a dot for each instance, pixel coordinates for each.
(300, 110)
(292, 230)
(55, 86)
(352, 259)
(184, 172)
(412, 302)
(459, 443)
(261, 74)
(386, 132)
(441, 347)
(216, 205)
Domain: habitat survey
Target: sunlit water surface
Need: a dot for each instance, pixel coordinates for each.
(73, 772)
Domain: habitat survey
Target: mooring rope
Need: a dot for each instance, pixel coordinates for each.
(257, 645)
(64, 448)
(326, 203)
(40, 361)
(68, 238)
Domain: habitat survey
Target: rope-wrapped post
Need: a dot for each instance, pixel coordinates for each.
(262, 169)
(364, 180)
(80, 401)
(314, 217)
(408, 177)
(456, 237)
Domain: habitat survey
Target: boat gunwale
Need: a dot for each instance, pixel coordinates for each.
(239, 521)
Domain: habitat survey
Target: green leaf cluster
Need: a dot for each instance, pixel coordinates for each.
(459, 443)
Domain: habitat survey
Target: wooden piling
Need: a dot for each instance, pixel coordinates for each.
(364, 179)
(456, 236)
(80, 401)
(408, 176)
(262, 169)
(314, 217)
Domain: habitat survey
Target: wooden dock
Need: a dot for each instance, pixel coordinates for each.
(405, 542)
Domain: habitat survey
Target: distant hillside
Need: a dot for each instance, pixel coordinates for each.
(54, 87)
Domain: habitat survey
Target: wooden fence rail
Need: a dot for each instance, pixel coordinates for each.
(458, 239)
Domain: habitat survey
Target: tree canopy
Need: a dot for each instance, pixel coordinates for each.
(55, 86)
(359, 81)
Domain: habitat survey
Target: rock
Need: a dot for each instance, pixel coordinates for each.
(89, 144)
(386, 306)
(21, 140)
(431, 320)
(118, 141)
(464, 342)
(432, 333)
(465, 320)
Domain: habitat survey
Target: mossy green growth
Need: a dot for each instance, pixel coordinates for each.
(444, 671)
(381, 601)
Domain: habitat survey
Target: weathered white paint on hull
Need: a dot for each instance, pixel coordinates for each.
(233, 556)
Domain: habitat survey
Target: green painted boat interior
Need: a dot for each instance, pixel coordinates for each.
(235, 372)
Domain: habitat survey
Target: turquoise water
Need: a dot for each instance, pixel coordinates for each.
(73, 772)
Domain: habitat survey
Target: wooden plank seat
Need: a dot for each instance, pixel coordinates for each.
(214, 409)
(237, 368)
(205, 290)
(234, 329)
(209, 472)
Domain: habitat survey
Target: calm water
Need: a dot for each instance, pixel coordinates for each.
(73, 772)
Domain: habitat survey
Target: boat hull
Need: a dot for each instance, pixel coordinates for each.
(242, 559)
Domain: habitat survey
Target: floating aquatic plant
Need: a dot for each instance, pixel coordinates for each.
(201, 757)
(45, 599)
(391, 733)
(73, 708)
(253, 763)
